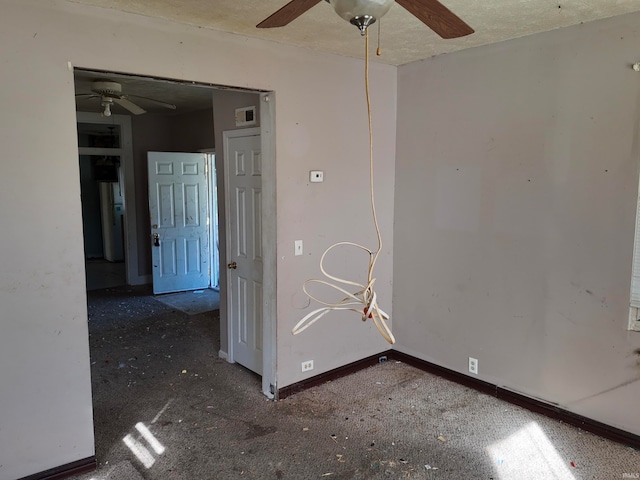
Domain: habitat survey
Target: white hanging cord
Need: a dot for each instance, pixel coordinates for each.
(364, 301)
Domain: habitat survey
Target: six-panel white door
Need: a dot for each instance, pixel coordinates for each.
(179, 230)
(243, 171)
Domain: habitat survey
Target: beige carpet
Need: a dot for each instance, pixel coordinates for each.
(156, 368)
(193, 302)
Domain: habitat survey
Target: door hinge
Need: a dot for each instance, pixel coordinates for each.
(206, 168)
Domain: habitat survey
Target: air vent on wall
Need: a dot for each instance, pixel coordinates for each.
(245, 116)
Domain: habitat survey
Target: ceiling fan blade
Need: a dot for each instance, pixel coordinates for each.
(288, 13)
(87, 95)
(132, 107)
(437, 17)
(153, 100)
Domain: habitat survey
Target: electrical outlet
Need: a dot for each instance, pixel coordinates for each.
(473, 365)
(297, 247)
(308, 365)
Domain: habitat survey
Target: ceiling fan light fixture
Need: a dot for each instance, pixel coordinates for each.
(361, 13)
(106, 104)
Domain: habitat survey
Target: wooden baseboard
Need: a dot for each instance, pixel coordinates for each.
(533, 404)
(466, 380)
(585, 423)
(332, 375)
(65, 471)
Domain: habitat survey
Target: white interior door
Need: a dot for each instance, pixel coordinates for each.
(243, 172)
(179, 225)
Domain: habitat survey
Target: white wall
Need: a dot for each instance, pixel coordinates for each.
(44, 358)
(516, 180)
(516, 184)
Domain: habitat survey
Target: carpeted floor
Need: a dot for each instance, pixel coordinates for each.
(192, 302)
(166, 407)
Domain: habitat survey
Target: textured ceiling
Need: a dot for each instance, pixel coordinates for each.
(404, 38)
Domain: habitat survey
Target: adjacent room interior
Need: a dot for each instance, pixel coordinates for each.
(507, 168)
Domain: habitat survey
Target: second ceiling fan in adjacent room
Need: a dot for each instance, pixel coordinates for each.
(109, 93)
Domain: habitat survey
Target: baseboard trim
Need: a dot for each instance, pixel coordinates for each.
(532, 404)
(223, 355)
(65, 471)
(466, 380)
(584, 423)
(332, 375)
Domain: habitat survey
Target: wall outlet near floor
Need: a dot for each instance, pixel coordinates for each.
(307, 365)
(473, 365)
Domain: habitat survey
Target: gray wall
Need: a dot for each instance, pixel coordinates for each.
(46, 416)
(149, 133)
(516, 184)
(193, 131)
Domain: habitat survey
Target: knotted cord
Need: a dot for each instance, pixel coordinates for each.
(365, 300)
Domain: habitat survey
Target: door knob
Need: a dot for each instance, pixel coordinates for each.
(156, 239)
(232, 265)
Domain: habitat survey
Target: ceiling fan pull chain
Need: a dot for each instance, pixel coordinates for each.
(379, 50)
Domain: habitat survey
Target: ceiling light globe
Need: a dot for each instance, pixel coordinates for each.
(350, 9)
(107, 109)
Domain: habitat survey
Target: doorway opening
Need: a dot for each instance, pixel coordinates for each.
(195, 126)
(104, 148)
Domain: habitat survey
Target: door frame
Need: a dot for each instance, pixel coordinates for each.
(214, 233)
(229, 215)
(269, 245)
(269, 226)
(126, 161)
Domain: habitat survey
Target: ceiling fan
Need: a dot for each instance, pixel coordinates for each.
(110, 92)
(363, 13)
